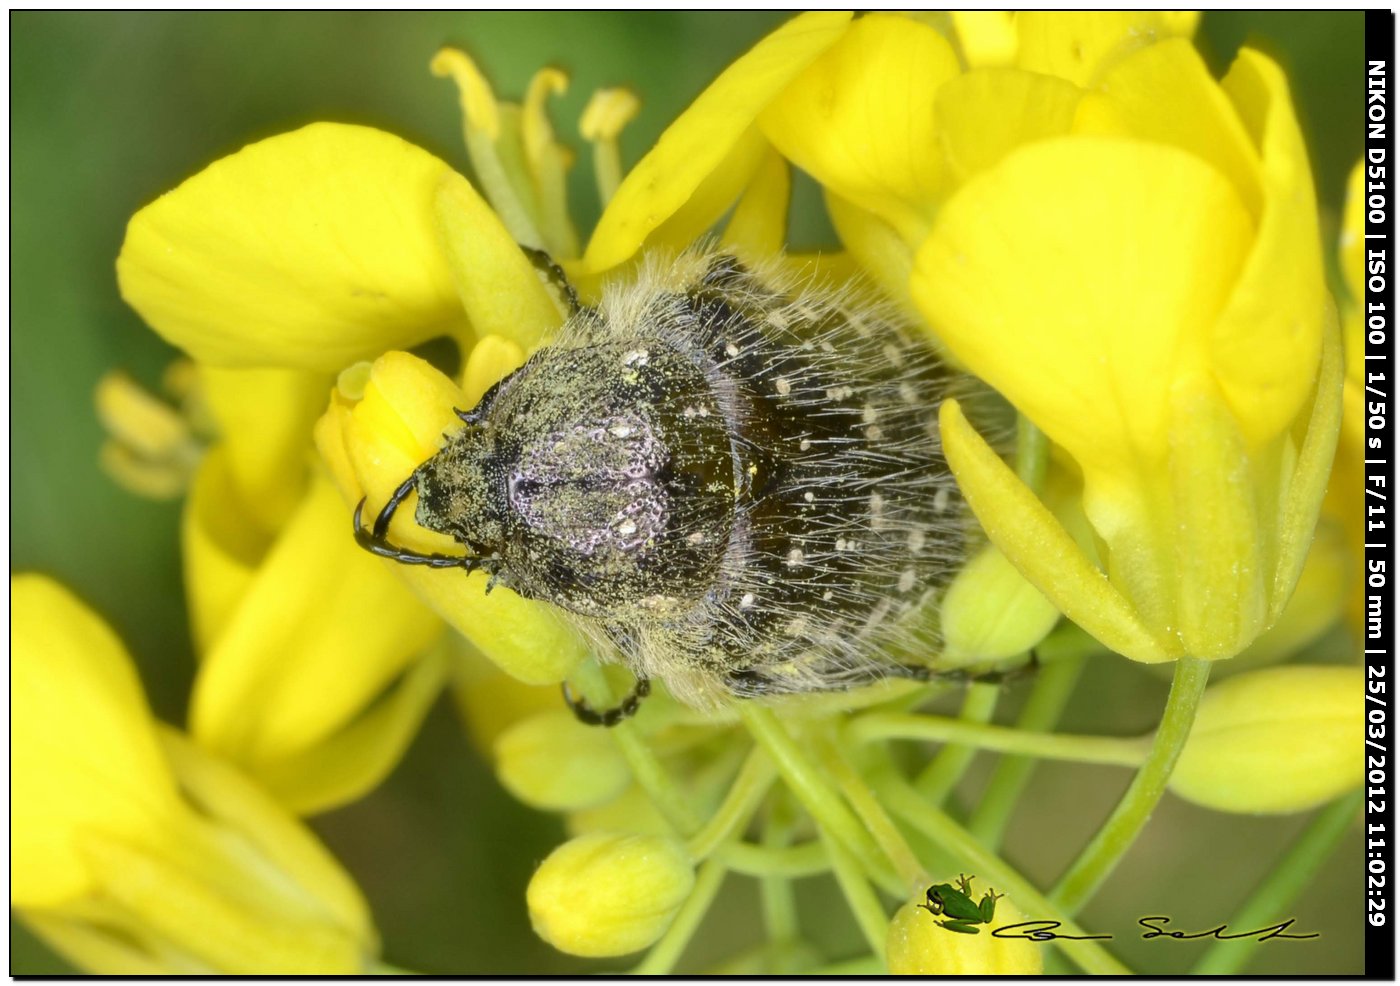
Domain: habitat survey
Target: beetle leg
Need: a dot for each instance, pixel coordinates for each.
(589, 716)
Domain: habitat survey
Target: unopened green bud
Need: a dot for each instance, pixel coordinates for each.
(991, 612)
(609, 894)
(554, 762)
(919, 943)
(1276, 740)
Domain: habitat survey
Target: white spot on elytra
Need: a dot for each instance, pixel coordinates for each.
(906, 580)
(917, 539)
(804, 445)
(621, 431)
(636, 357)
(794, 557)
(731, 349)
(877, 511)
(908, 393)
(892, 353)
(746, 600)
(874, 433)
(808, 496)
(826, 596)
(777, 319)
(827, 347)
(697, 538)
(940, 500)
(869, 414)
(783, 386)
(627, 527)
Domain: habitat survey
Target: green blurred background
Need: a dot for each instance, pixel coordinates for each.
(108, 110)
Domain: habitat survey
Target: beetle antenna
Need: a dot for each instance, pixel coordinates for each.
(374, 541)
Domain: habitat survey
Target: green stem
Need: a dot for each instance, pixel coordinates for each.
(1285, 882)
(811, 788)
(1121, 830)
(775, 890)
(905, 801)
(945, 770)
(777, 862)
(1124, 751)
(865, 905)
(646, 769)
(748, 789)
(666, 952)
(872, 814)
(866, 965)
(1043, 709)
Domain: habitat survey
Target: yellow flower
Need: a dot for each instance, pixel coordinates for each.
(1279, 740)
(133, 850)
(1183, 353)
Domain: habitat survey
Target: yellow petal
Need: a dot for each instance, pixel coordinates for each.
(222, 546)
(84, 756)
(265, 418)
(235, 884)
(1122, 254)
(1264, 346)
(879, 250)
(1032, 539)
(984, 115)
(1077, 45)
(1308, 484)
(758, 226)
(491, 360)
(311, 249)
(986, 37)
(406, 410)
(1352, 252)
(277, 681)
(860, 119)
(499, 287)
(354, 760)
(697, 145)
(1165, 94)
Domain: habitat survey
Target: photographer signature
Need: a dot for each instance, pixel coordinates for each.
(1156, 926)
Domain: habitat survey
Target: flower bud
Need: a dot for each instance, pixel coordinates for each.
(918, 945)
(990, 611)
(609, 894)
(1277, 740)
(554, 762)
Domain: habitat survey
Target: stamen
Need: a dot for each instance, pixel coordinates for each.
(482, 128)
(548, 161)
(152, 449)
(608, 111)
